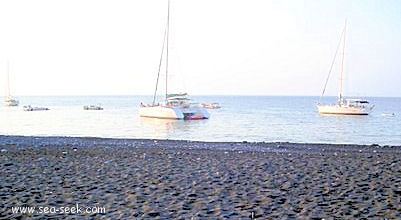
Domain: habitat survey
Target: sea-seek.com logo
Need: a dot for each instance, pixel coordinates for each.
(77, 209)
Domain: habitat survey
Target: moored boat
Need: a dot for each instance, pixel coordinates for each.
(9, 100)
(347, 107)
(213, 105)
(344, 106)
(175, 106)
(30, 108)
(93, 107)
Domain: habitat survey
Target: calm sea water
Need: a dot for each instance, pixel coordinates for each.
(250, 118)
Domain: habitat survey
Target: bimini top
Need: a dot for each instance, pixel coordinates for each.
(361, 101)
(178, 96)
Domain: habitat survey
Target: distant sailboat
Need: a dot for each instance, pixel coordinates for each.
(175, 106)
(9, 100)
(344, 106)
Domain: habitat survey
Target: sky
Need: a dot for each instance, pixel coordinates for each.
(217, 47)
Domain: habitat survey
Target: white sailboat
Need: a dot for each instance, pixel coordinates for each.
(175, 106)
(9, 100)
(344, 106)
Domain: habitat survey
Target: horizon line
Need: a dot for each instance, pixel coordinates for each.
(261, 95)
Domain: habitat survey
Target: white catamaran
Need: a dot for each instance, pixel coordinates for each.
(9, 100)
(175, 106)
(344, 106)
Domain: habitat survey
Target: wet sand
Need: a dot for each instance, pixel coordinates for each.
(166, 179)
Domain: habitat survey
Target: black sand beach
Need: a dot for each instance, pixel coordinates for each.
(166, 179)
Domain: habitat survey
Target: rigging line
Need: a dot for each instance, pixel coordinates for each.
(160, 64)
(332, 64)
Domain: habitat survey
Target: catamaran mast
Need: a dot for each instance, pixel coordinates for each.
(167, 34)
(161, 56)
(340, 95)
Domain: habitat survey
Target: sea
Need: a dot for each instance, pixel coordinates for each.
(240, 118)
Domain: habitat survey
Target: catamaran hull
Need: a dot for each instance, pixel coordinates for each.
(342, 110)
(163, 112)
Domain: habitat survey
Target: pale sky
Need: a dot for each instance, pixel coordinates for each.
(217, 47)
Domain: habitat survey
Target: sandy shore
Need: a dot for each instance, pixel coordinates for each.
(184, 179)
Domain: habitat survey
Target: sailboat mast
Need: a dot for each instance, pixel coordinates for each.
(340, 95)
(8, 92)
(167, 33)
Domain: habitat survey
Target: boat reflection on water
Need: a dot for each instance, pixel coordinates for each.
(167, 128)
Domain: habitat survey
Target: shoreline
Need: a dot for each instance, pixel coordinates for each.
(22, 140)
(170, 179)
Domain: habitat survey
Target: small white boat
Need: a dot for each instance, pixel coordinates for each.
(175, 106)
(9, 100)
(30, 108)
(93, 107)
(213, 105)
(344, 106)
(388, 114)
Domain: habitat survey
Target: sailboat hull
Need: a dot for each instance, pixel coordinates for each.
(343, 110)
(179, 113)
(11, 102)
